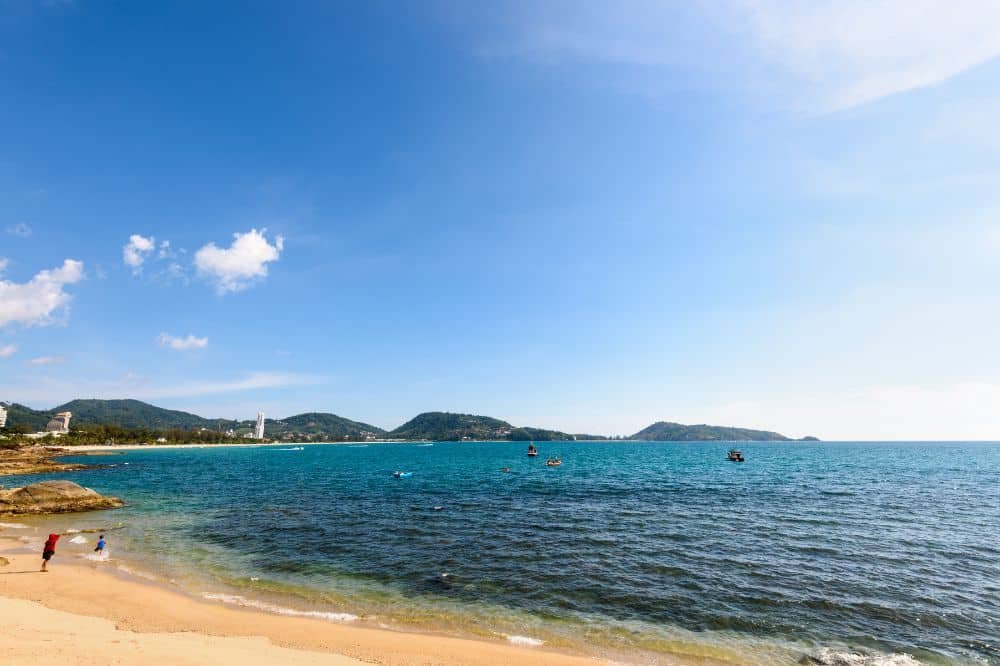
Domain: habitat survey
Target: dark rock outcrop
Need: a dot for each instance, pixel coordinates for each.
(54, 497)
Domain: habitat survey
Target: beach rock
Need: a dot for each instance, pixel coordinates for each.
(4, 561)
(54, 497)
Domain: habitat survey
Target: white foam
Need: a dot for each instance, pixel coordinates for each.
(133, 572)
(526, 641)
(13, 526)
(831, 657)
(294, 448)
(73, 530)
(238, 600)
(78, 539)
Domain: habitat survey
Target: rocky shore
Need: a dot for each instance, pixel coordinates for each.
(53, 497)
(34, 460)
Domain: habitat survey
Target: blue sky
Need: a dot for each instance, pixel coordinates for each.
(586, 217)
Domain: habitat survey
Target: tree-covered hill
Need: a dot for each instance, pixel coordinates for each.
(137, 414)
(319, 424)
(445, 426)
(665, 431)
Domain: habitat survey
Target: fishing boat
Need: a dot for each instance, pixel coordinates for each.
(532, 451)
(402, 475)
(735, 455)
(553, 462)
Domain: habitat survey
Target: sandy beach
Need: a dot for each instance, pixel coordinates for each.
(77, 613)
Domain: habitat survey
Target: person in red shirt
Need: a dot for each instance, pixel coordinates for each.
(49, 550)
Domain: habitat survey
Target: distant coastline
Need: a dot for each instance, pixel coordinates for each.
(131, 421)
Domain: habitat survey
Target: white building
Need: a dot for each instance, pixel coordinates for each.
(3, 416)
(258, 432)
(59, 423)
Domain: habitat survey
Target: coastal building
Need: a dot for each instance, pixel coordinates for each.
(258, 432)
(3, 416)
(59, 423)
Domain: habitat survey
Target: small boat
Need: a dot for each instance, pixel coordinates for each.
(402, 475)
(553, 462)
(532, 451)
(735, 455)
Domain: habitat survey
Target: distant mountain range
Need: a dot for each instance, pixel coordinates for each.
(319, 426)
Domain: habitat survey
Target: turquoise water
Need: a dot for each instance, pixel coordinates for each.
(824, 551)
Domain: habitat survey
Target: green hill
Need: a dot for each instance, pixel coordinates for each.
(445, 426)
(19, 415)
(137, 414)
(321, 425)
(665, 431)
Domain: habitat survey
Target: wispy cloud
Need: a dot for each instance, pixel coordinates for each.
(55, 390)
(6, 351)
(38, 301)
(46, 360)
(818, 55)
(241, 264)
(20, 229)
(181, 343)
(855, 51)
(256, 380)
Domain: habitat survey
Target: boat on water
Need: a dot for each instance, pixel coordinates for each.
(735, 455)
(553, 462)
(532, 451)
(402, 475)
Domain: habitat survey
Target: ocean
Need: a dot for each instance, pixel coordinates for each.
(809, 552)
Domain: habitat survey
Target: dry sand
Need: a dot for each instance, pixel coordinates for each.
(77, 613)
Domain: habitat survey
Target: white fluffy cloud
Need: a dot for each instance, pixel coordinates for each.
(37, 301)
(242, 263)
(137, 249)
(7, 351)
(47, 360)
(181, 344)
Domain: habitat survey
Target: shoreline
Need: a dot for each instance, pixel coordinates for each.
(77, 593)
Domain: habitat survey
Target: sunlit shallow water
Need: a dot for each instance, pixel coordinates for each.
(838, 552)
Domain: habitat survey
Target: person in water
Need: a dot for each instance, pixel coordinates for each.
(100, 547)
(48, 550)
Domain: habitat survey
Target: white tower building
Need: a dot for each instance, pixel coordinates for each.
(258, 432)
(3, 416)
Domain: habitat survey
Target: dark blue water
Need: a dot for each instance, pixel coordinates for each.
(820, 549)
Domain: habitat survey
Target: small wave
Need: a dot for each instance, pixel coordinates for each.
(294, 448)
(526, 641)
(73, 530)
(831, 657)
(238, 600)
(105, 556)
(358, 446)
(132, 572)
(13, 526)
(424, 445)
(78, 539)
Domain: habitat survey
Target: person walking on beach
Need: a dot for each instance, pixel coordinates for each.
(100, 547)
(48, 550)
